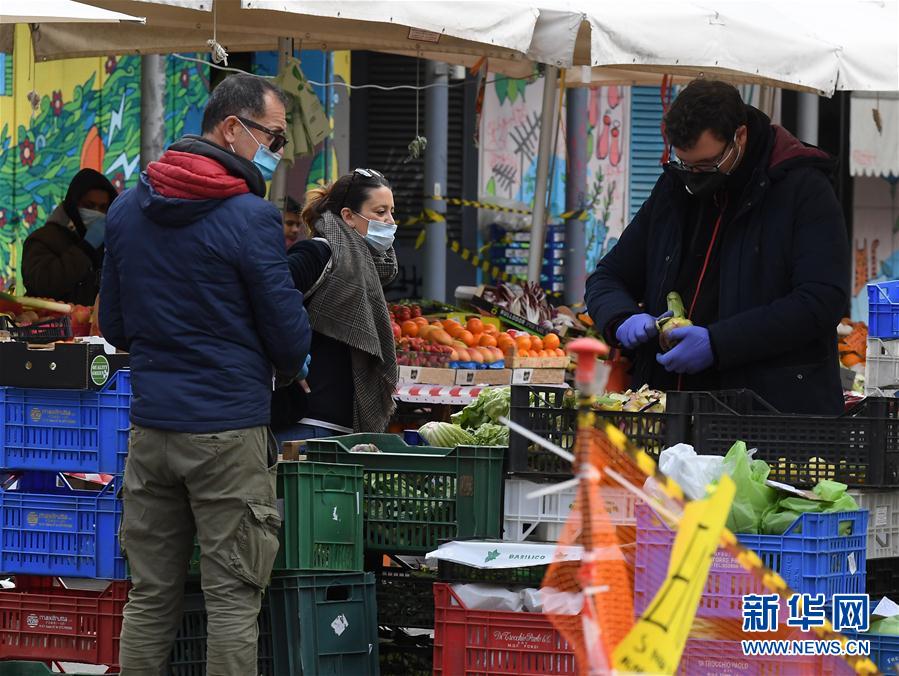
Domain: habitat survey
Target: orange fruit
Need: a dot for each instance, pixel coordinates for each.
(523, 343)
(560, 352)
(486, 340)
(436, 324)
(467, 338)
(421, 321)
(410, 328)
(475, 325)
(476, 356)
(491, 329)
(551, 341)
(543, 353)
(454, 329)
(504, 342)
(536, 343)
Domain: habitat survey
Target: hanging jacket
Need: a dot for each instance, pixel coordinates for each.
(196, 287)
(783, 279)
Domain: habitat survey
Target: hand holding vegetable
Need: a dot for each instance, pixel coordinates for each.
(692, 352)
(637, 330)
(675, 318)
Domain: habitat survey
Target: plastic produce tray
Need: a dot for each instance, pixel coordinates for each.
(405, 598)
(322, 509)
(417, 496)
(475, 642)
(45, 331)
(858, 448)
(540, 409)
(51, 529)
(189, 650)
(811, 557)
(883, 310)
(43, 620)
(543, 518)
(324, 624)
(67, 430)
(883, 579)
(883, 522)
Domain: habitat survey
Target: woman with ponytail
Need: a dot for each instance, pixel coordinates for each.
(342, 271)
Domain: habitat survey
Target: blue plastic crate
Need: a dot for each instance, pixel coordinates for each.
(812, 557)
(51, 529)
(67, 430)
(884, 648)
(883, 310)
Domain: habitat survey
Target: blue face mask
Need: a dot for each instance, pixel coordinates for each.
(265, 160)
(380, 235)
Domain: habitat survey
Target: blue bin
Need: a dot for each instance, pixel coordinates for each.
(884, 647)
(51, 529)
(66, 430)
(883, 310)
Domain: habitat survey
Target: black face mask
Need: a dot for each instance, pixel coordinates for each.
(701, 184)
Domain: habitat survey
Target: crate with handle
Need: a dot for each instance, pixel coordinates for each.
(883, 521)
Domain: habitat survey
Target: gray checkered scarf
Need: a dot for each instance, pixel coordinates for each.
(350, 307)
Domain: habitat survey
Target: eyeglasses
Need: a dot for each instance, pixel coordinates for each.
(279, 140)
(365, 173)
(706, 166)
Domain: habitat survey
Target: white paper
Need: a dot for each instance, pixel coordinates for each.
(886, 608)
(340, 624)
(881, 516)
(853, 568)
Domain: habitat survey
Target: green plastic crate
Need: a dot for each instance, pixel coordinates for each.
(417, 496)
(322, 510)
(324, 625)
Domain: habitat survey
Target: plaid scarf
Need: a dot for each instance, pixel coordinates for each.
(350, 307)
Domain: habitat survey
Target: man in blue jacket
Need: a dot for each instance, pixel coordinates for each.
(745, 225)
(196, 287)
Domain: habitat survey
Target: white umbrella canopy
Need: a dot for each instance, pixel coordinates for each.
(55, 11)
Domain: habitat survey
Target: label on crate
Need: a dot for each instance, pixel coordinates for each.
(50, 521)
(52, 622)
(853, 566)
(340, 624)
(524, 639)
(881, 516)
(100, 370)
(50, 415)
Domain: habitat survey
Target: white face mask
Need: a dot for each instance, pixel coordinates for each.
(380, 234)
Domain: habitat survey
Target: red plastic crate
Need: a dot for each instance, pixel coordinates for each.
(487, 642)
(42, 620)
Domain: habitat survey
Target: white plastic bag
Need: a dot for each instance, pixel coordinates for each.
(488, 597)
(693, 472)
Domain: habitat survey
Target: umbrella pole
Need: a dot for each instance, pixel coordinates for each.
(152, 108)
(576, 195)
(544, 151)
(436, 131)
(278, 188)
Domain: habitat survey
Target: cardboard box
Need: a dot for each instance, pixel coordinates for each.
(59, 366)
(424, 375)
(538, 376)
(483, 377)
(539, 362)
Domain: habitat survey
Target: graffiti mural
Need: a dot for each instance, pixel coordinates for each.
(510, 129)
(70, 124)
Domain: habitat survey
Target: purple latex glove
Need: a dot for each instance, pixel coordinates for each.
(638, 329)
(692, 354)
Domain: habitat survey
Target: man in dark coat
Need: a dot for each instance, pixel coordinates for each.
(197, 288)
(746, 226)
(62, 259)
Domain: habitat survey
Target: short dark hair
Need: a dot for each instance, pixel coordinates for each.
(704, 105)
(350, 190)
(239, 94)
(291, 206)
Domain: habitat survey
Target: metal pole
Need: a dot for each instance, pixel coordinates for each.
(152, 108)
(278, 188)
(576, 195)
(807, 115)
(436, 131)
(545, 149)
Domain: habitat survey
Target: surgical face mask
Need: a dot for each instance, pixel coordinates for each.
(265, 160)
(88, 216)
(380, 234)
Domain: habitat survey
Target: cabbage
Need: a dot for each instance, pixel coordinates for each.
(491, 404)
(445, 435)
(491, 434)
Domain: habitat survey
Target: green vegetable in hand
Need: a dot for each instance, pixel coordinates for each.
(678, 319)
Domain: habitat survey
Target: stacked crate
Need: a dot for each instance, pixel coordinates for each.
(51, 442)
(509, 251)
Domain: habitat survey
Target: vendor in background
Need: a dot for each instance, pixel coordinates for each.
(294, 229)
(62, 259)
(744, 224)
(342, 271)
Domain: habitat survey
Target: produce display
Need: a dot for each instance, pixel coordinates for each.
(643, 400)
(475, 425)
(529, 302)
(23, 312)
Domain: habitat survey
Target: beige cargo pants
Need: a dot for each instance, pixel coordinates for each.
(221, 487)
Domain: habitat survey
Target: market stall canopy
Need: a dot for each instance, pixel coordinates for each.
(874, 134)
(56, 11)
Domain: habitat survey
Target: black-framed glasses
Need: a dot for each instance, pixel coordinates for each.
(359, 171)
(279, 140)
(706, 166)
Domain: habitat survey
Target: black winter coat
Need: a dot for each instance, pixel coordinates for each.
(784, 282)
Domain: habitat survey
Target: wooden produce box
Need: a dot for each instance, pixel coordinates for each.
(483, 376)
(538, 376)
(424, 375)
(517, 362)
